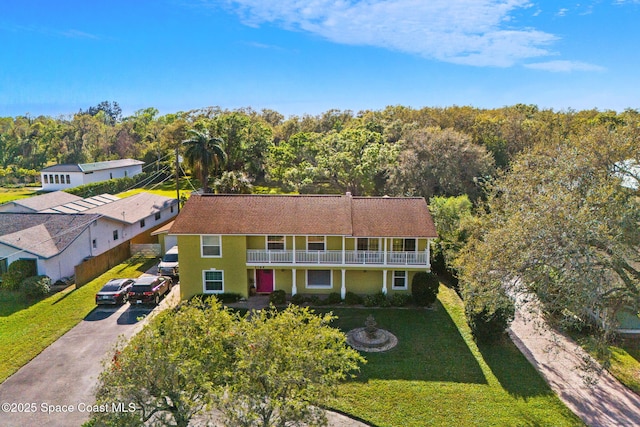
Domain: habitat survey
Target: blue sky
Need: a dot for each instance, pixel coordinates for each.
(305, 57)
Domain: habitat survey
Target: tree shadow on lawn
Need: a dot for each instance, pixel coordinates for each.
(430, 347)
(512, 369)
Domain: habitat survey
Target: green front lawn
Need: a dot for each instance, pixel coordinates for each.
(9, 194)
(27, 329)
(438, 376)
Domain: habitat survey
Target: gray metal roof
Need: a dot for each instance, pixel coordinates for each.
(111, 164)
(44, 235)
(92, 167)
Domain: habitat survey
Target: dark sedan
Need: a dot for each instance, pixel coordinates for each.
(116, 291)
(149, 289)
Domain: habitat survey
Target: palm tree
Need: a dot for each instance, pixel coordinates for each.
(204, 151)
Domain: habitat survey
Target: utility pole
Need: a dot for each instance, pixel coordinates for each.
(177, 179)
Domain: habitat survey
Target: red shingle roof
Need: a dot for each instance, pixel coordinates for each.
(300, 215)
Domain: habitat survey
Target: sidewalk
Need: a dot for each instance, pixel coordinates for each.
(558, 359)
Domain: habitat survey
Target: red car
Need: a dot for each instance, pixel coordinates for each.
(149, 289)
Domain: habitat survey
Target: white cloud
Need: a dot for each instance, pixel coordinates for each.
(472, 32)
(560, 66)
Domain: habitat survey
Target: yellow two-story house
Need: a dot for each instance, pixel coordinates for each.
(309, 244)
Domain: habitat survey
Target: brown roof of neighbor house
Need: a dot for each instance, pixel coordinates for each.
(304, 214)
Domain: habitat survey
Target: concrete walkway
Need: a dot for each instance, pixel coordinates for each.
(606, 403)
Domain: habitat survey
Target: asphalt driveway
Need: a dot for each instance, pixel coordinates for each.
(57, 387)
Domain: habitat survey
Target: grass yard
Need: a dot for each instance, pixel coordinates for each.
(27, 329)
(438, 376)
(9, 194)
(625, 365)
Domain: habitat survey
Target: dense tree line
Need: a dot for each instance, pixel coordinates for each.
(398, 150)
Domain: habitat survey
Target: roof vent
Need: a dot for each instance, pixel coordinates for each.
(348, 193)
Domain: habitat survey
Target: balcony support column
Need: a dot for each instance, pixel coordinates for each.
(343, 289)
(428, 251)
(294, 249)
(294, 287)
(384, 282)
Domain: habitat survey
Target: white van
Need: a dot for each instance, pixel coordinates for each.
(169, 263)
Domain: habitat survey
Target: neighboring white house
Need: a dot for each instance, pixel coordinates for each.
(89, 227)
(55, 242)
(60, 177)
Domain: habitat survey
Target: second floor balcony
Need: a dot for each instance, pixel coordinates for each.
(337, 257)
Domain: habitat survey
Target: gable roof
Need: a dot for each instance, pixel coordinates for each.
(305, 215)
(133, 208)
(44, 235)
(92, 167)
(46, 201)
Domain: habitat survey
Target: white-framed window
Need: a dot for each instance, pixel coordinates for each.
(94, 244)
(115, 235)
(400, 279)
(275, 243)
(404, 245)
(142, 223)
(368, 244)
(316, 243)
(46, 178)
(158, 215)
(68, 179)
(319, 279)
(213, 281)
(211, 246)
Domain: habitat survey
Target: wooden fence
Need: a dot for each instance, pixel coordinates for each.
(93, 267)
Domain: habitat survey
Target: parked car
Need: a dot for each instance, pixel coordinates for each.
(115, 291)
(149, 289)
(169, 264)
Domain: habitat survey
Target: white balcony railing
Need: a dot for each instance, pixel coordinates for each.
(258, 256)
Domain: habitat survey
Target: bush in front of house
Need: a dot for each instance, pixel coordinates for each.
(378, 299)
(334, 298)
(228, 297)
(278, 297)
(400, 300)
(18, 271)
(351, 298)
(488, 320)
(297, 299)
(424, 288)
(35, 286)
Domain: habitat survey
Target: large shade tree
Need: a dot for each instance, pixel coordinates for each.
(440, 162)
(561, 227)
(269, 368)
(204, 152)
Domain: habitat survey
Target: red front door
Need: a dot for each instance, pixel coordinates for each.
(264, 281)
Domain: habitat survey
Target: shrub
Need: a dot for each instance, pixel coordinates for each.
(36, 286)
(17, 272)
(297, 299)
(334, 298)
(351, 298)
(278, 297)
(315, 300)
(424, 288)
(488, 319)
(400, 300)
(228, 297)
(376, 300)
